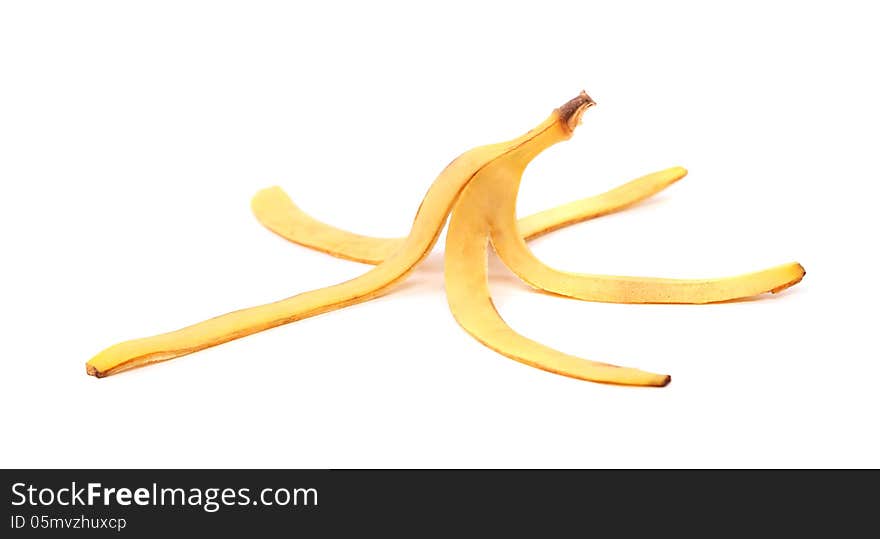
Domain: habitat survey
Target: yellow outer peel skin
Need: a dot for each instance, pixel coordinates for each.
(274, 210)
(516, 255)
(612, 201)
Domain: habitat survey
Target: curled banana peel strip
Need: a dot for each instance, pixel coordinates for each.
(479, 189)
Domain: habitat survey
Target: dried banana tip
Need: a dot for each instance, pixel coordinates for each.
(93, 371)
(799, 273)
(571, 112)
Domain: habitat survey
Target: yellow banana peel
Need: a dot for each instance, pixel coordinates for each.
(479, 189)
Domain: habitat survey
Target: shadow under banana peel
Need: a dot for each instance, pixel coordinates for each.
(479, 189)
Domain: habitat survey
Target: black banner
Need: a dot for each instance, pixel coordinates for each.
(136, 503)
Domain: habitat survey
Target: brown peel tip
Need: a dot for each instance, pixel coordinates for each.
(571, 112)
(794, 281)
(91, 370)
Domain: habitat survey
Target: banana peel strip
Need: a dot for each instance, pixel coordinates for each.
(479, 189)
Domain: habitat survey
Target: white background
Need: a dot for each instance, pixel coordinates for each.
(133, 134)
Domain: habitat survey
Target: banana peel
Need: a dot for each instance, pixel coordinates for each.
(479, 189)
